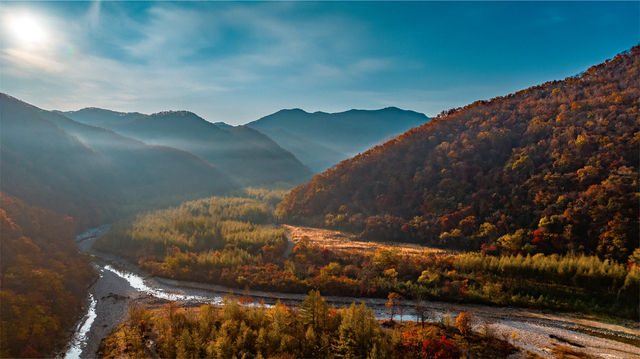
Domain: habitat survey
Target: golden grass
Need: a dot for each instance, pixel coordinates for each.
(336, 240)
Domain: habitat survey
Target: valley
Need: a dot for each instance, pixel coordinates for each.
(236, 242)
(122, 284)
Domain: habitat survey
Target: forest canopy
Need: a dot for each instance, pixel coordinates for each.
(201, 238)
(43, 280)
(313, 330)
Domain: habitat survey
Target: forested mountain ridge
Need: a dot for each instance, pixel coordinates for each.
(322, 139)
(246, 155)
(88, 172)
(553, 168)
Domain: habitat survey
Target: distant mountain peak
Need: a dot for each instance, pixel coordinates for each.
(397, 109)
(322, 139)
(176, 117)
(291, 111)
(307, 115)
(100, 116)
(175, 113)
(389, 109)
(91, 108)
(98, 109)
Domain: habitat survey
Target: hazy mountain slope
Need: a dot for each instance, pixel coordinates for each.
(100, 117)
(264, 160)
(222, 124)
(345, 133)
(142, 162)
(248, 156)
(47, 167)
(552, 168)
(315, 155)
(89, 172)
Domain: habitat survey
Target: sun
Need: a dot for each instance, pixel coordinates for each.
(27, 30)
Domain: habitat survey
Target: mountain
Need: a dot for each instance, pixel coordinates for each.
(314, 154)
(322, 139)
(51, 161)
(247, 155)
(100, 117)
(553, 168)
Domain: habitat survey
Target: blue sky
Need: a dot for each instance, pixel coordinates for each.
(238, 61)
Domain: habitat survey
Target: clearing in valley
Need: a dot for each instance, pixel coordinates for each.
(344, 241)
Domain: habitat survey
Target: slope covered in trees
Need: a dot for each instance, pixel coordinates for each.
(314, 330)
(202, 239)
(233, 241)
(90, 173)
(322, 139)
(243, 153)
(43, 280)
(553, 168)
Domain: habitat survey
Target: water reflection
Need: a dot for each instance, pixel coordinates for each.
(139, 284)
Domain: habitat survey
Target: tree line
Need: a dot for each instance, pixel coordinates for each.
(313, 330)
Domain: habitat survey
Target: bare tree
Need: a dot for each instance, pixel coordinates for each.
(421, 309)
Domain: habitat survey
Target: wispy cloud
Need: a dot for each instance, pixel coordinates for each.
(235, 62)
(179, 53)
(93, 15)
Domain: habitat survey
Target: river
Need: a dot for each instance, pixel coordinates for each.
(121, 283)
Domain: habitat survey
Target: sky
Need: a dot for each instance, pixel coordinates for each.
(238, 61)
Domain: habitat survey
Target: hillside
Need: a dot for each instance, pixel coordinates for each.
(553, 168)
(44, 280)
(243, 153)
(88, 172)
(322, 139)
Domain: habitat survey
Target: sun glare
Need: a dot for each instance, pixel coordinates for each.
(27, 30)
